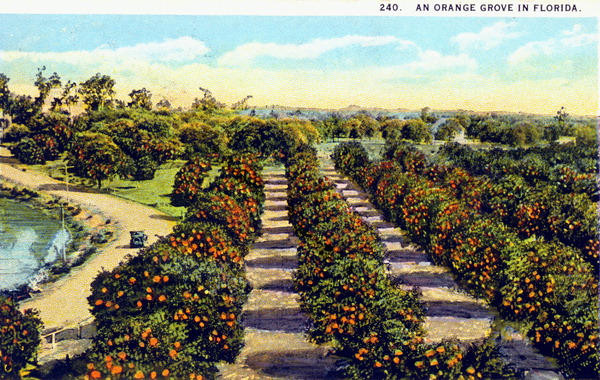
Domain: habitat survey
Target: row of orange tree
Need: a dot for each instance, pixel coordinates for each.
(373, 325)
(174, 309)
(543, 282)
(546, 191)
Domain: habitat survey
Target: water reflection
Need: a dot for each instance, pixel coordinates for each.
(29, 241)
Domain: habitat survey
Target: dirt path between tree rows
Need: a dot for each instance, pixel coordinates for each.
(275, 344)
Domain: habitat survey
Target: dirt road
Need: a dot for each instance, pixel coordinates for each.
(64, 303)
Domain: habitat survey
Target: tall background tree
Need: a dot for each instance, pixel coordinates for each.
(67, 98)
(140, 99)
(44, 85)
(97, 92)
(4, 93)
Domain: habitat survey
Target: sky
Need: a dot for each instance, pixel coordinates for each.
(530, 64)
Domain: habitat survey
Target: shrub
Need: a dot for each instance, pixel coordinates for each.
(19, 338)
(548, 285)
(225, 211)
(96, 156)
(15, 132)
(174, 310)
(553, 287)
(29, 152)
(201, 139)
(189, 181)
(349, 157)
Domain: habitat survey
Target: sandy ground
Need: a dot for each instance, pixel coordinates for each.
(64, 303)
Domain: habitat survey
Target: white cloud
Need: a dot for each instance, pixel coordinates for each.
(245, 54)
(430, 60)
(571, 39)
(577, 29)
(488, 37)
(182, 49)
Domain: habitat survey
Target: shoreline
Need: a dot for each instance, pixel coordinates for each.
(89, 234)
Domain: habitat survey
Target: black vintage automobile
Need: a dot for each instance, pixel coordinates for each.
(138, 239)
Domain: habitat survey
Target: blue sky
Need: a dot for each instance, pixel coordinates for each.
(480, 63)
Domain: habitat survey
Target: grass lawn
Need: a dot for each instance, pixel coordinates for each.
(373, 146)
(153, 193)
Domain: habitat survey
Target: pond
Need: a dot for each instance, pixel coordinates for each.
(29, 240)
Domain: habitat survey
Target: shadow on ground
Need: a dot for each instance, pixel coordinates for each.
(165, 217)
(288, 320)
(294, 364)
(273, 262)
(456, 309)
(284, 285)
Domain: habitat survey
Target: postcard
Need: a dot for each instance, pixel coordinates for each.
(299, 189)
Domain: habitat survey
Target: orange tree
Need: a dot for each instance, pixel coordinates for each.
(168, 311)
(149, 150)
(19, 338)
(240, 179)
(51, 133)
(548, 192)
(552, 286)
(97, 157)
(189, 181)
(225, 211)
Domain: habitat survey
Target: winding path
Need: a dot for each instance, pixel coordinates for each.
(64, 303)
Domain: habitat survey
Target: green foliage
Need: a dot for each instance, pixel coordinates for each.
(96, 156)
(257, 136)
(405, 154)
(553, 287)
(341, 279)
(208, 102)
(180, 313)
(45, 85)
(142, 143)
(4, 92)
(374, 326)
(240, 178)
(202, 139)
(449, 130)
(97, 92)
(46, 137)
(21, 108)
(28, 152)
(297, 133)
(547, 284)
(174, 310)
(189, 182)
(140, 99)
(15, 132)
(418, 131)
(350, 156)
(415, 130)
(19, 338)
(360, 126)
(223, 210)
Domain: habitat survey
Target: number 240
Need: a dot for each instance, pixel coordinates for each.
(388, 7)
